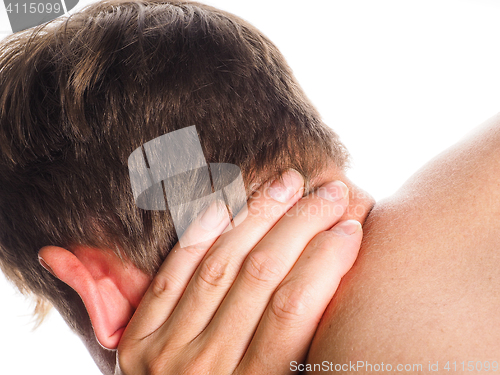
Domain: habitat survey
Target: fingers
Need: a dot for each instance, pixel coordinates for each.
(205, 303)
(271, 260)
(173, 276)
(290, 320)
(215, 275)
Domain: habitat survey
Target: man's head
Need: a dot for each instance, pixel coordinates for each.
(79, 95)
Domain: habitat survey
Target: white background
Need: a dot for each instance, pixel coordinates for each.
(398, 80)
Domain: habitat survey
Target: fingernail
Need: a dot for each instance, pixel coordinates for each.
(213, 216)
(347, 228)
(333, 191)
(46, 266)
(282, 191)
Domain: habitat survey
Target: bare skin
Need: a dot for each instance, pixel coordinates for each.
(424, 288)
(425, 285)
(425, 280)
(246, 302)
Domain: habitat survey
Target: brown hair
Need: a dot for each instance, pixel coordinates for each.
(78, 95)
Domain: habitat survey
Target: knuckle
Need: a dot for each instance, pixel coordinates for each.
(156, 366)
(160, 358)
(131, 359)
(260, 269)
(192, 362)
(213, 272)
(324, 241)
(202, 364)
(290, 304)
(195, 250)
(306, 209)
(163, 286)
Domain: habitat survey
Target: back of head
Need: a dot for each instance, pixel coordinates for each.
(79, 95)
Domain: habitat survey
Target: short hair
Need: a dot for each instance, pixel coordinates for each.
(78, 95)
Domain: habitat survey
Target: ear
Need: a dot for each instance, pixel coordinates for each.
(111, 288)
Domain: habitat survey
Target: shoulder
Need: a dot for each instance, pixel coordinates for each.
(429, 257)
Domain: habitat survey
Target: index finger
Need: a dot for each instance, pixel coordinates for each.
(174, 274)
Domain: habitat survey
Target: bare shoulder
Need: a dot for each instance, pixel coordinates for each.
(426, 285)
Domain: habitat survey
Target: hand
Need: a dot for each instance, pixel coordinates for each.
(249, 301)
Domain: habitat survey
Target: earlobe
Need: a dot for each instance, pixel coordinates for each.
(110, 288)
